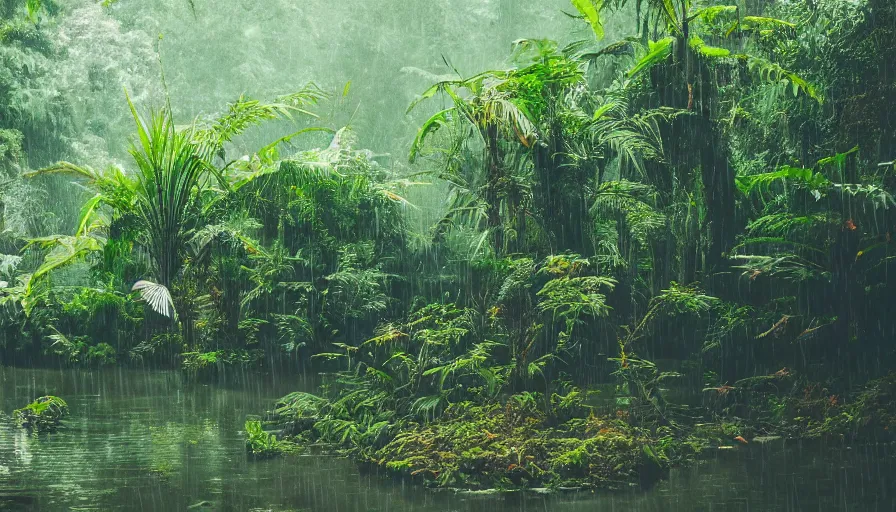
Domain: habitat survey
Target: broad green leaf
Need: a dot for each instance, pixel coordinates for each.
(806, 177)
(65, 168)
(710, 14)
(63, 251)
(590, 9)
(711, 52)
(603, 110)
(657, 52)
(837, 159)
(87, 212)
(671, 16)
(33, 7)
(432, 124)
(771, 71)
(761, 21)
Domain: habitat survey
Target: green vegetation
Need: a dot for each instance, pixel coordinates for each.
(698, 214)
(42, 415)
(263, 444)
(258, 442)
(481, 445)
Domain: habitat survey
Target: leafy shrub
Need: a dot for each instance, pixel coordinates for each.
(101, 354)
(260, 443)
(42, 415)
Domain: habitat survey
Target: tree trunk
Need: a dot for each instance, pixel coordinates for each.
(718, 189)
(493, 185)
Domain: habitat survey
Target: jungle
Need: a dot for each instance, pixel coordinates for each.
(461, 255)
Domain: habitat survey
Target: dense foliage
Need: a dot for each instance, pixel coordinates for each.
(707, 200)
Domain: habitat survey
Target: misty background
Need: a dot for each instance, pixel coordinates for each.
(389, 51)
(373, 57)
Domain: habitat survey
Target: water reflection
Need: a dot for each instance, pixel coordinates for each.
(153, 441)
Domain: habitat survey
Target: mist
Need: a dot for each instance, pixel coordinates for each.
(474, 255)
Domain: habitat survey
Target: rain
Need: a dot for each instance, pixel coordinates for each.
(503, 255)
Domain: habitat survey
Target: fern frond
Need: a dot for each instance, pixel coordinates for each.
(771, 71)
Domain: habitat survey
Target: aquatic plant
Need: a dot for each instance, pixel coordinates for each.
(42, 415)
(262, 444)
(259, 442)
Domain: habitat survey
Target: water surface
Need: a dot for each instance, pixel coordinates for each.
(139, 440)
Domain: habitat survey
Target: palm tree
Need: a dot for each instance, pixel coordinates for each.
(545, 138)
(171, 172)
(166, 199)
(488, 103)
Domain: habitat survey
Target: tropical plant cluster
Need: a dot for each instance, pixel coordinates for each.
(45, 414)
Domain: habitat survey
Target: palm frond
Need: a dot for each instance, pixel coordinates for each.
(246, 112)
(156, 296)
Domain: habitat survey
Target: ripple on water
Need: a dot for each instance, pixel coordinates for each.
(139, 440)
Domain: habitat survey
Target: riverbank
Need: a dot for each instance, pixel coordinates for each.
(152, 440)
(517, 444)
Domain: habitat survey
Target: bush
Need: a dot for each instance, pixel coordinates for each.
(260, 443)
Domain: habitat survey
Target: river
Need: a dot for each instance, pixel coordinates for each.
(154, 440)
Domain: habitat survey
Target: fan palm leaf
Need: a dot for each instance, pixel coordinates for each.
(156, 296)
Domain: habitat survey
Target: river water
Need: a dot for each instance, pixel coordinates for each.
(152, 441)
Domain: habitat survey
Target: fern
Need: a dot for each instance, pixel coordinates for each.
(788, 266)
(807, 178)
(632, 200)
(784, 223)
(774, 72)
(300, 405)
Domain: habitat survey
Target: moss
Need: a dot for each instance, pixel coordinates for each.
(515, 444)
(42, 415)
(508, 447)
